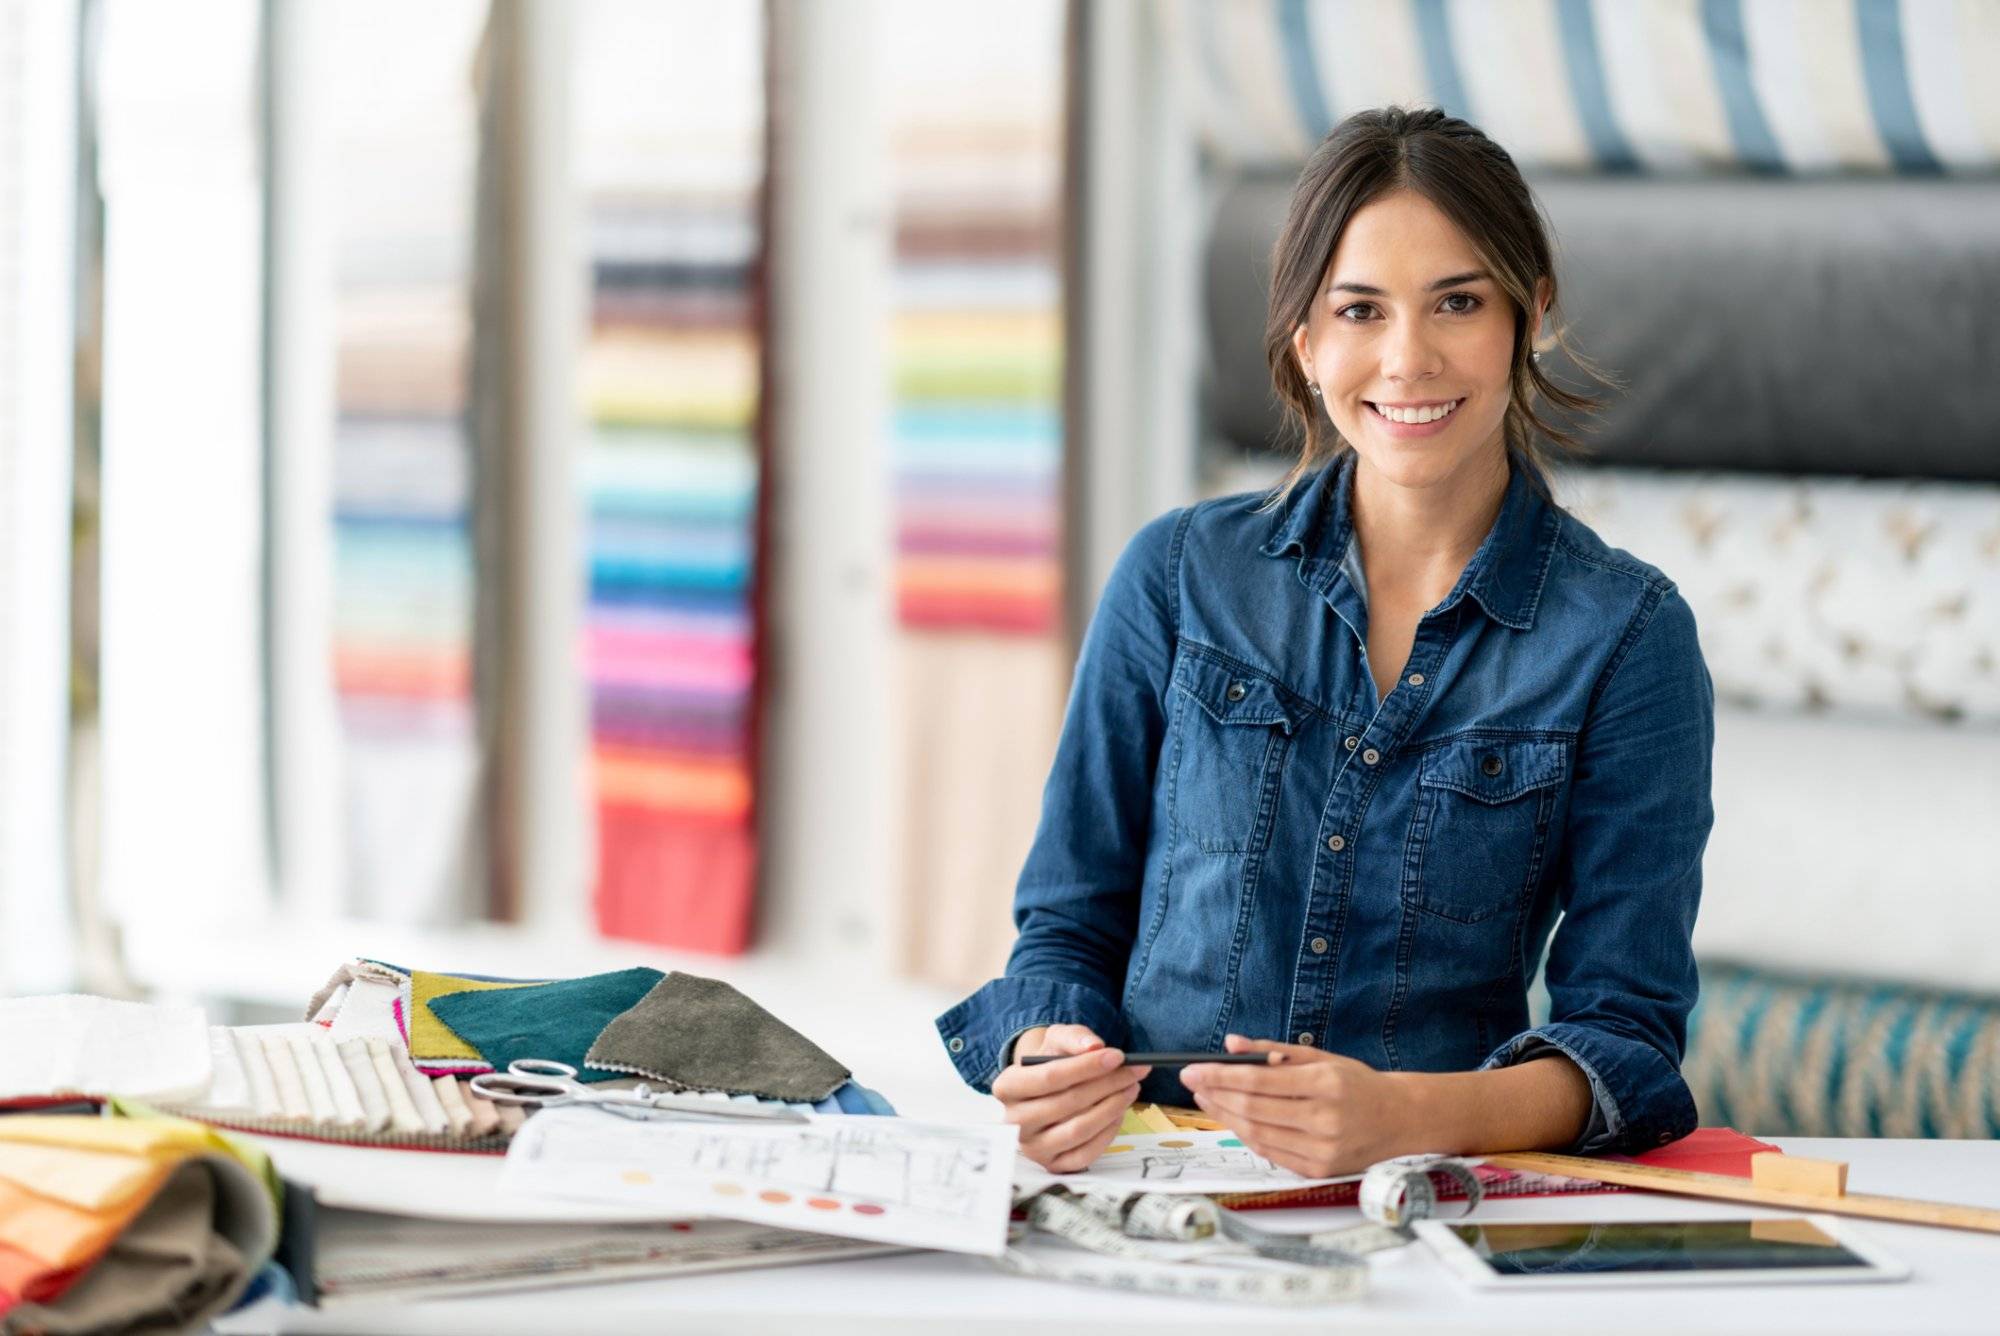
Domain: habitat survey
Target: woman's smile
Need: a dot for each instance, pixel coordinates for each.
(1413, 422)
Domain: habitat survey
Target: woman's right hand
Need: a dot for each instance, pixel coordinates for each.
(1067, 1111)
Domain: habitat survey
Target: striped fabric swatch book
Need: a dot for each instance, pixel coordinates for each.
(671, 144)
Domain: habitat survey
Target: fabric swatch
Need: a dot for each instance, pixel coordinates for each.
(292, 1101)
(257, 1074)
(452, 1099)
(552, 1021)
(702, 1034)
(485, 1115)
(347, 1111)
(72, 1043)
(86, 1179)
(319, 1097)
(431, 1038)
(402, 1112)
(367, 1085)
(423, 1097)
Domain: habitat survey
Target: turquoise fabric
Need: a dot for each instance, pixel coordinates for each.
(1777, 1055)
(553, 1021)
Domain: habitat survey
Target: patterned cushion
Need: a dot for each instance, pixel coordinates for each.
(1876, 596)
(1775, 1055)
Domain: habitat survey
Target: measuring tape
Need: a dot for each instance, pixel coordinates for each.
(1178, 1243)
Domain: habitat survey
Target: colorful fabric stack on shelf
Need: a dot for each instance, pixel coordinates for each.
(403, 559)
(672, 135)
(127, 1223)
(976, 412)
(978, 368)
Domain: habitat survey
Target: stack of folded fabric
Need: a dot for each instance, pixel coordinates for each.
(127, 1223)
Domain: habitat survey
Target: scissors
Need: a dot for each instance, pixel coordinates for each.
(546, 1083)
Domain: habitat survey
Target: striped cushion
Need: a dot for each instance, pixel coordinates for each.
(1616, 85)
(1794, 1056)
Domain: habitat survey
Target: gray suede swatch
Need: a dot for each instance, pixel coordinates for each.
(701, 1034)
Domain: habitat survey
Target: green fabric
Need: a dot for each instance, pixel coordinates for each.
(555, 1022)
(701, 1034)
(1779, 1055)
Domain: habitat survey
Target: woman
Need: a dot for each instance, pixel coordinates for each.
(1335, 759)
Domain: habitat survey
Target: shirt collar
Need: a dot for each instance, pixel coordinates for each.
(1504, 577)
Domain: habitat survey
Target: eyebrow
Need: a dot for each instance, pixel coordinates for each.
(1452, 281)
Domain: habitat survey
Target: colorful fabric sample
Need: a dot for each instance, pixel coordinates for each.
(702, 1034)
(555, 1022)
(672, 387)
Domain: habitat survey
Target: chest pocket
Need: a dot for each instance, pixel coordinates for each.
(1232, 734)
(1482, 827)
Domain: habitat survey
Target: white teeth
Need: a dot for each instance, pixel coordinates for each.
(1417, 415)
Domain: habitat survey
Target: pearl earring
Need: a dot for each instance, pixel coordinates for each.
(1313, 390)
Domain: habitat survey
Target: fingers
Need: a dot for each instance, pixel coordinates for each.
(1305, 1115)
(1020, 1082)
(1032, 1113)
(1074, 1142)
(1254, 1080)
(1312, 1157)
(1064, 1039)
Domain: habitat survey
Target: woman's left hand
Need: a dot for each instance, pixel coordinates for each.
(1316, 1113)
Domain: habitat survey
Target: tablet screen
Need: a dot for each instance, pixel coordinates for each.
(1651, 1246)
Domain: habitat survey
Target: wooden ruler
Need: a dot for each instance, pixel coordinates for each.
(1761, 1190)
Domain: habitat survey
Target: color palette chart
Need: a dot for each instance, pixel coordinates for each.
(670, 124)
(405, 150)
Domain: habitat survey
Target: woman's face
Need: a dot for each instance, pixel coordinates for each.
(1401, 319)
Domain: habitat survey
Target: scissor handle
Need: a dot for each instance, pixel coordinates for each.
(528, 1081)
(541, 1067)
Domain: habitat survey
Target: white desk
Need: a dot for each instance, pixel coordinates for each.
(1955, 1288)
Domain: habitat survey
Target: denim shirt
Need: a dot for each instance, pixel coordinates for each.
(1237, 836)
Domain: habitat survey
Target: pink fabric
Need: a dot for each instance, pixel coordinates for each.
(619, 657)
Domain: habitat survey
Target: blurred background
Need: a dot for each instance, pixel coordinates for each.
(536, 486)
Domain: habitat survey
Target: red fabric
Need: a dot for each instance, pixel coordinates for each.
(31, 1280)
(1706, 1150)
(675, 881)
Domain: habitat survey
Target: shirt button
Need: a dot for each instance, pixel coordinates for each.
(1352, 743)
(1305, 1036)
(1335, 843)
(1491, 765)
(1665, 1137)
(1319, 946)
(1236, 691)
(1370, 757)
(956, 1045)
(1416, 679)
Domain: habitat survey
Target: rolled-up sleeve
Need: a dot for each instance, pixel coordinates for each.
(1621, 972)
(1076, 903)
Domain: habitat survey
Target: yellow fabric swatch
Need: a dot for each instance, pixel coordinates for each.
(87, 1179)
(431, 1037)
(131, 1127)
(1155, 1120)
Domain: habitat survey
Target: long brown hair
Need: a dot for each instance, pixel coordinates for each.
(1473, 182)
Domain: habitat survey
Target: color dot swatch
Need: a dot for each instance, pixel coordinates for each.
(1176, 1145)
(778, 1197)
(1229, 1141)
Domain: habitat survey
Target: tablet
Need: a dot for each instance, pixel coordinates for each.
(1523, 1254)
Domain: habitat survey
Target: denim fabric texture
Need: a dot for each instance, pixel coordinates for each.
(1238, 836)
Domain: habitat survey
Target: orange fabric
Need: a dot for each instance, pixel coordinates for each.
(642, 779)
(31, 1280)
(62, 1235)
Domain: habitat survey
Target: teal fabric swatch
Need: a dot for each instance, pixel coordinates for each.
(556, 1022)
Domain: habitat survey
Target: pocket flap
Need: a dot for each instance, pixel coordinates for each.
(1232, 695)
(1493, 770)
